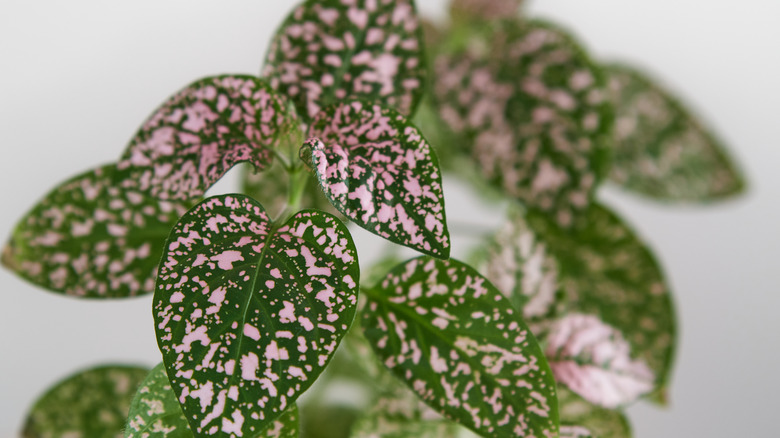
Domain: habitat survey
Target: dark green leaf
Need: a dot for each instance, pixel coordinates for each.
(378, 170)
(249, 314)
(580, 419)
(331, 50)
(452, 337)
(91, 403)
(661, 149)
(155, 413)
(608, 272)
(529, 106)
(195, 137)
(88, 238)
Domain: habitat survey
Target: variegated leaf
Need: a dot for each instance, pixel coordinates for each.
(661, 149)
(608, 272)
(377, 169)
(156, 413)
(195, 137)
(594, 360)
(248, 312)
(580, 419)
(484, 9)
(531, 108)
(452, 337)
(399, 413)
(88, 238)
(331, 50)
(91, 403)
(519, 264)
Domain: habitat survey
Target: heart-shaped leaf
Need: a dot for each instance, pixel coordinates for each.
(594, 360)
(661, 149)
(608, 272)
(195, 137)
(91, 403)
(330, 50)
(378, 170)
(452, 337)
(248, 312)
(520, 265)
(580, 419)
(156, 413)
(530, 107)
(89, 238)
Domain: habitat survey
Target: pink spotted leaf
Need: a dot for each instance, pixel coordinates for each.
(606, 270)
(201, 132)
(451, 336)
(248, 313)
(156, 412)
(661, 150)
(89, 238)
(594, 360)
(377, 169)
(331, 50)
(530, 108)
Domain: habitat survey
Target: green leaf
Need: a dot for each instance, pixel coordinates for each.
(399, 413)
(91, 403)
(594, 360)
(608, 272)
(195, 137)
(452, 337)
(520, 265)
(89, 238)
(531, 109)
(484, 9)
(580, 419)
(156, 413)
(377, 169)
(661, 149)
(329, 50)
(248, 312)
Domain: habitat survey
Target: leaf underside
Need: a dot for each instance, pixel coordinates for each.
(531, 109)
(377, 169)
(660, 149)
(327, 51)
(91, 403)
(452, 337)
(89, 238)
(248, 312)
(608, 272)
(155, 413)
(195, 137)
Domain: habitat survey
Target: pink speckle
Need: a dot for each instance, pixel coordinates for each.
(227, 258)
(287, 315)
(251, 331)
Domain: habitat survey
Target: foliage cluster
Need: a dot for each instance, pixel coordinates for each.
(561, 319)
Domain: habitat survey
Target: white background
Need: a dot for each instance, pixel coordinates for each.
(77, 77)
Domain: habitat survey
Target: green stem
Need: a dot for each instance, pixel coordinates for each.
(298, 178)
